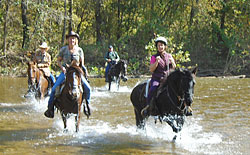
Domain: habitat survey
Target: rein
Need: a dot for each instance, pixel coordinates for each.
(171, 100)
(181, 99)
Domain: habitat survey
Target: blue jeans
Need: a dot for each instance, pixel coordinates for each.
(52, 78)
(60, 80)
(87, 89)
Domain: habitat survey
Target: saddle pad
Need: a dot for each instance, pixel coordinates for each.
(147, 88)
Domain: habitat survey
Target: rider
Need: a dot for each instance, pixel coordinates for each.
(111, 58)
(70, 54)
(160, 65)
(43, 60)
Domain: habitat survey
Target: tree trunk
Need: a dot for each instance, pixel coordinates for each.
(119, 20)
(98, 21)
(70, 15)
(5, 27)
(25, 24)
(64, 22)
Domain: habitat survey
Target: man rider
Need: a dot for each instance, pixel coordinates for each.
(111, 58)
(43, 60)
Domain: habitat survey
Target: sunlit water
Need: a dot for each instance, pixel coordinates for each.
(219, 125)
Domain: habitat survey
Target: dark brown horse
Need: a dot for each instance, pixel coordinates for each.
(38, 83)
(117, 71)
(172, 99)
(71, 98)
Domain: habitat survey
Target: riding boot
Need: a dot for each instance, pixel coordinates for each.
(50, 111)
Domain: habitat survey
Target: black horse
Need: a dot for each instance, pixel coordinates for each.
(117, 71)
(172, 99)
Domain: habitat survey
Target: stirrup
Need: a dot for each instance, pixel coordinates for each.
(144, 111)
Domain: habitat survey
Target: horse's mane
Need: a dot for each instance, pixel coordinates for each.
(76, 68)
(173, 75)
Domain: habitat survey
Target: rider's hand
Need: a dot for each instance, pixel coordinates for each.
(171, 60)
(64, 70)
(158, 58)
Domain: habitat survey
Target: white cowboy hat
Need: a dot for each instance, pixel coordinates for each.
(44, 45)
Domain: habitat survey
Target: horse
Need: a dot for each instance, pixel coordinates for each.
(38, 83)
(172, 99)
(71, 97)
(117, 71)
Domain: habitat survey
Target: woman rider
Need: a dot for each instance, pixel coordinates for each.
(160, 65)
(69, 55)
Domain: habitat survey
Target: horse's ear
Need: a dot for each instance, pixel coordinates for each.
(195, 70)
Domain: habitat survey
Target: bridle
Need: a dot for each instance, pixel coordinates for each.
(180, 95)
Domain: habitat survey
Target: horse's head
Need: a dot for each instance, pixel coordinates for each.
(182, 83)
(32, 72)
(123, 67)
(187, 85)
(73, 81)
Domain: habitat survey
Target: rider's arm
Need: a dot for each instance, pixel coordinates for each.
(154, 63)
(171, 59)
(59, 60)
(117, 57)
(106, 56)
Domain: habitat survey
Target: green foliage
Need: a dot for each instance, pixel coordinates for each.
(213, 34)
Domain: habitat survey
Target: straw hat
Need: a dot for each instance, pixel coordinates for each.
(44, 45)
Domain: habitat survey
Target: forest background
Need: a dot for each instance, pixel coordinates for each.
(213, 34)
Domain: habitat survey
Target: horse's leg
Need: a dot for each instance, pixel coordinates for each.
(175, 126)
(110, 80)
(180, 122)
(64, 121)
(140, 121)
(78, 117)
(118, 82)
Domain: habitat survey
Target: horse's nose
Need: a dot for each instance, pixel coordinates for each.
(75, 93)
(188, 99)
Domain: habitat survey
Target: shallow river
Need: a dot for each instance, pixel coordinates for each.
(220, 123)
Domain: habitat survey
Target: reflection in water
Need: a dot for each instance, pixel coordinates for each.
(220, 124)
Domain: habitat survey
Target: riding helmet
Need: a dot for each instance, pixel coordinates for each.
(161, 39)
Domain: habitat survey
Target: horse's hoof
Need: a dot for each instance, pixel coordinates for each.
(48, 113)
(174, 138)
(65, 130)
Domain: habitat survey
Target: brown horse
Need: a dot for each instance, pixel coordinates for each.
(38, 83)
(71, 97)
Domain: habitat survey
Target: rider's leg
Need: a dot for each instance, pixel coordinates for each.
(85, 72)
(154, 85)
(50, 111)
(53, 79)
(106, 72)
(87, 89)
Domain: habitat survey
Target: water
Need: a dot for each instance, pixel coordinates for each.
(219, 125)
